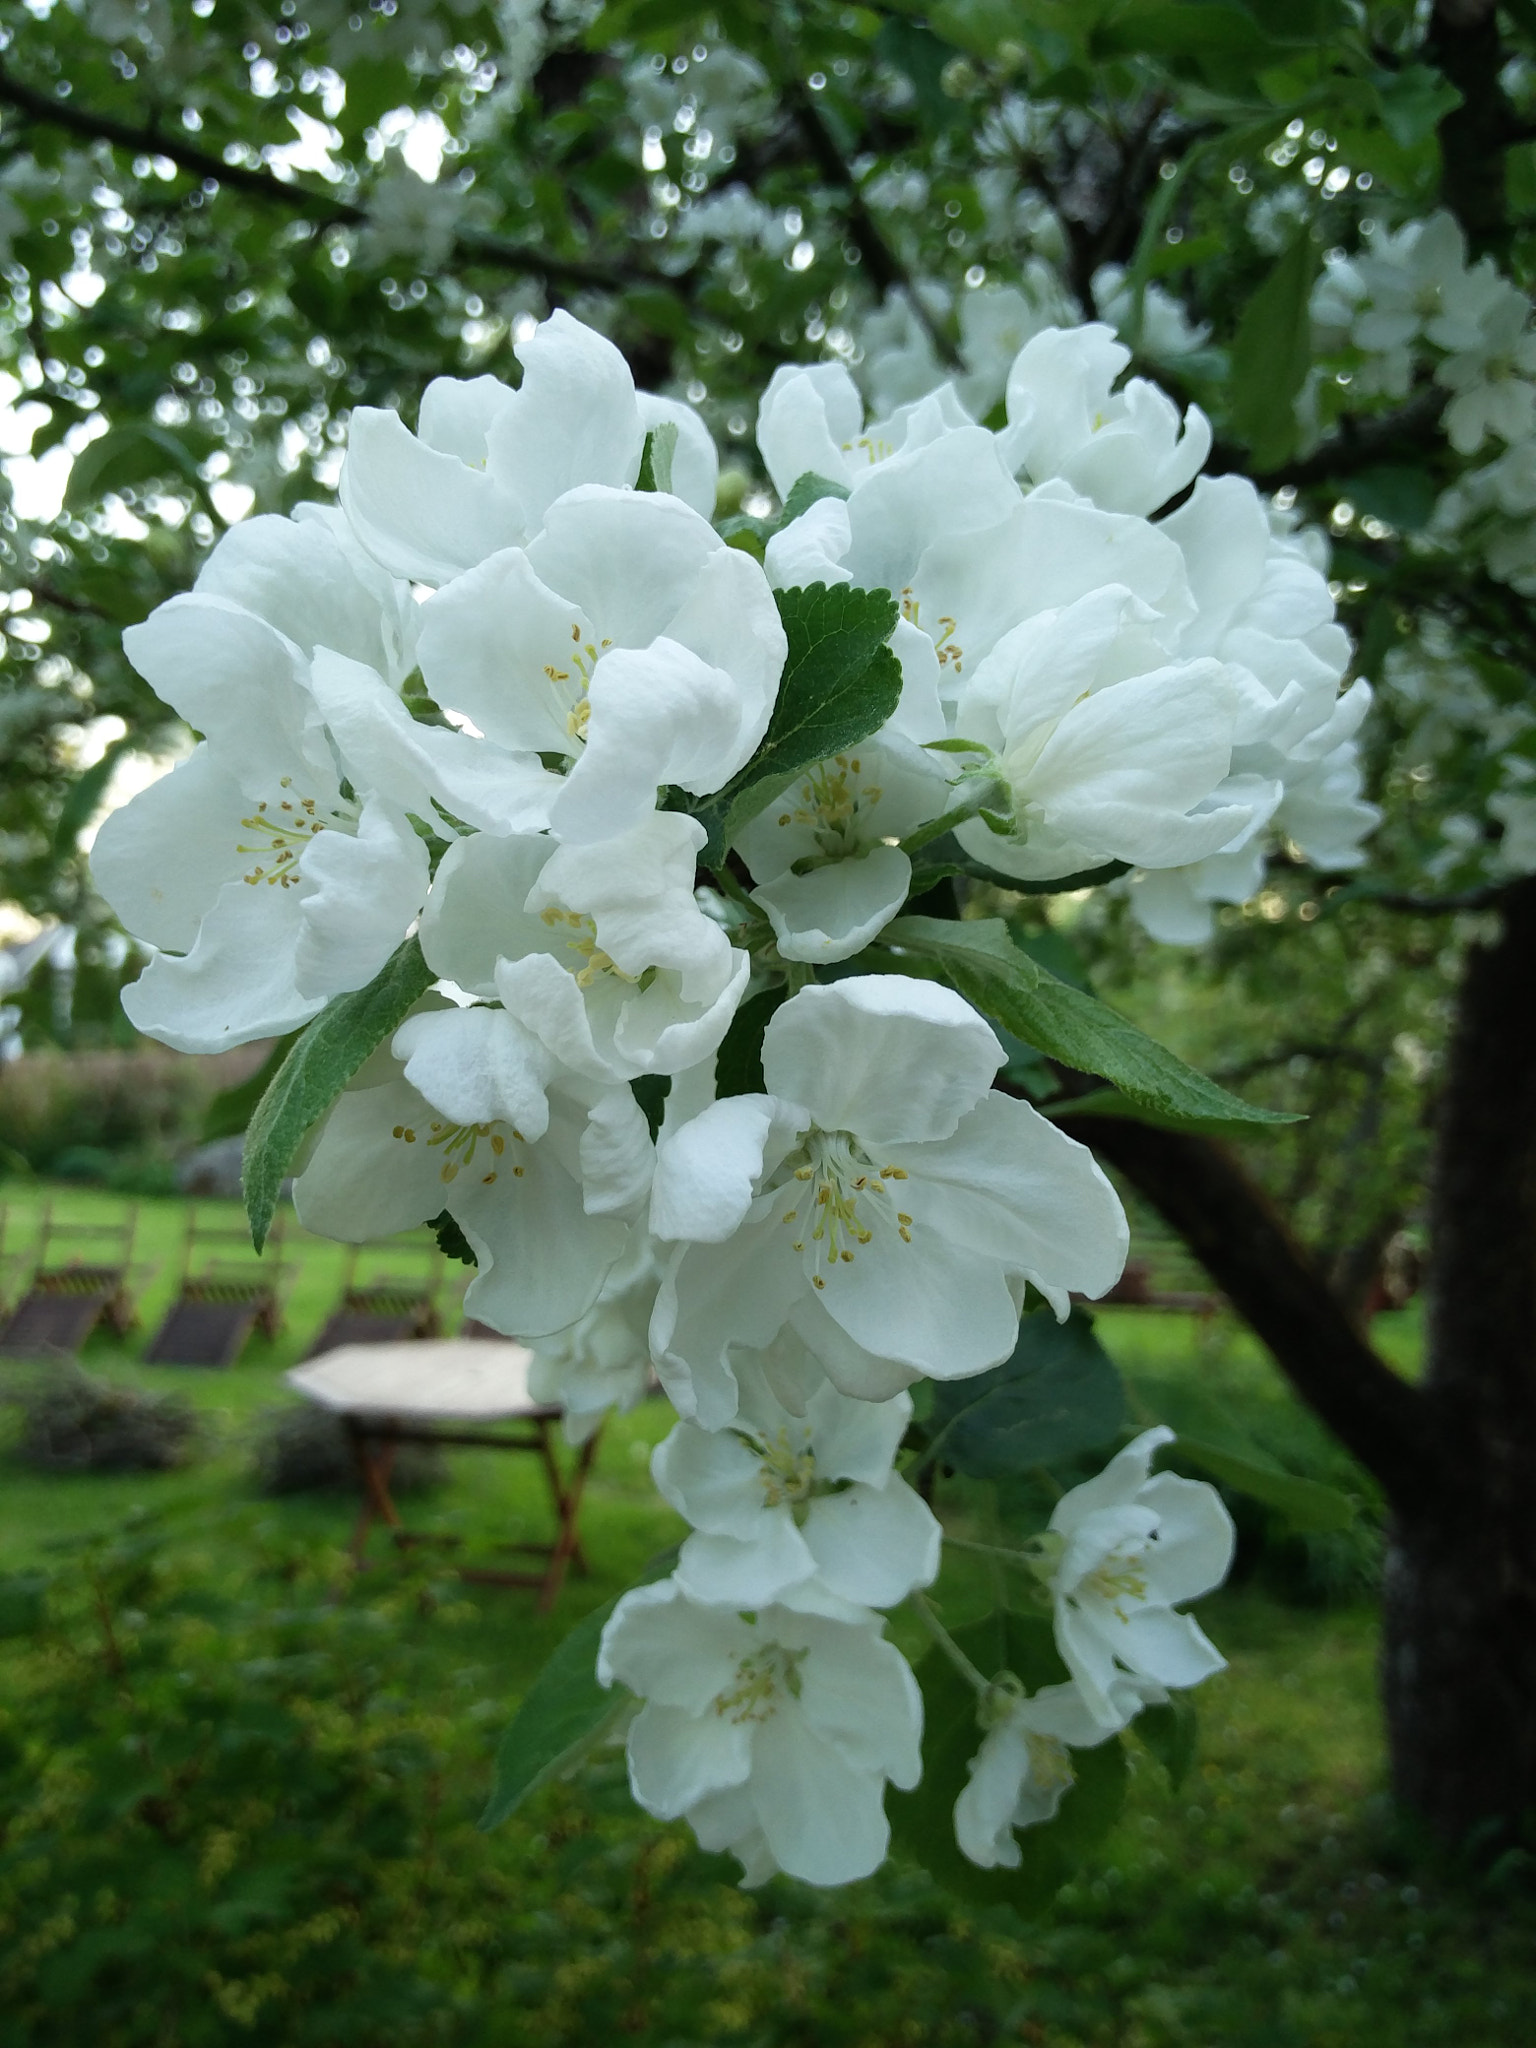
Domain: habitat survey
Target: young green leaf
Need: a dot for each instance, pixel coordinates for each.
(1306, 1504)
(841, 682)
(323, 1060)
(979, 958)
(1058, 1395)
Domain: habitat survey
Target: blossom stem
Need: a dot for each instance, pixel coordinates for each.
(928, 1615)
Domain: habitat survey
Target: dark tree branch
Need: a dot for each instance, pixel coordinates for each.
(322, 209)
(1464, 41)
(1240, 1239)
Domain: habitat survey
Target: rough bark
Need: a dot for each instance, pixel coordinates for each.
(1459, 1657)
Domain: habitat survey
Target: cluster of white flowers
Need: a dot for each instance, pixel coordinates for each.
(1193, 714)
(470, 710)
(1412, 294)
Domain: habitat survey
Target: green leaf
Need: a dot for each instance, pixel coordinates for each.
(656, 458)
(923, 1821)
(451, 1241)
(136, 453)
(841, 682)
(1414, 101)
(809, 490)
(1306, 1504)
(651, 1092)
(1172, 1733)
(945, 856)
(979, 958)
(321, 1063)
(1057, 1396)
(739, 1062)
(1272, 352)
(565, 1713)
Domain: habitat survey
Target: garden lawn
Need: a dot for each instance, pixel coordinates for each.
(238, 1792)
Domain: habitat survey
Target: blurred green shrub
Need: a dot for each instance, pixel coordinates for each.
(114, 1117)
(72, 1422)
(300, 1448)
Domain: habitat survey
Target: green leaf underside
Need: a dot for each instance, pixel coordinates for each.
(324, 1059)
(1110, 1102)
(945, 857)
(840, 684)
(979, 958)
(565, 1713)
(1057, 1396)
(656, 458)
(923, 1821)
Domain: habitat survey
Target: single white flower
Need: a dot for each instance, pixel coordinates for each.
(1023, 1769)
(602, 1361)
(266, 886)
(1132, 1547)
(601, 951)
(1128, 451)
(876, 1185)
(627, 639)
(790, 1494)
(811, 423)
(824, 853)
(775, 1732)
(1164, 330)
(486, 462)
(541, 1171)
(1104, 748)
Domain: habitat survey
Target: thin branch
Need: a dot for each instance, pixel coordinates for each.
(1484, 898)
(322, 209)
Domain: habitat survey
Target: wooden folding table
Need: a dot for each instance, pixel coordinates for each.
(449, 1392)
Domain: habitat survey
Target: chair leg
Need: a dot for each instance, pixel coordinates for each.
(374, 1461)
(567, 1501)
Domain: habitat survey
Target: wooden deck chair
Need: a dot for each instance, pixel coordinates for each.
(221, 1297)
(70, 1296)
(387, 1307)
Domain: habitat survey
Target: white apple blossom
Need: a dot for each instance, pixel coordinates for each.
(542, 1171)
(1131, 1547)
(788, 1494)
(879, 1180)
(824, 854)
(601, 951)
(1102, 748)
(267, 887)
(773, 1732)
(1023, 1769)
(626, 638)
(1128, 451)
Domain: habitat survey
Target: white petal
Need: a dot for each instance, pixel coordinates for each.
(873, 1544)
(669, 1649)
(1171, 1648)
(730, 1572)
(616, 1155)
(477, 1066)
(502, 648)
(1120, 1482)
(475, 915)
(358, 899)
(238, 682)
(423, 514)
(713, 1297)
(707, 1170)
(573, 420)
(882, 1055)
(543, 1259)
(237, 981)
(1195, 1538)
(856, 1439)
(856, 1688)
(897, 1301)
(161, 859)
(712, 1478)
(984, 1812)
(811, 548)
(363, 1182)
(1011, 1185)
(808, 416)
(834, 912)
(824, 1821)
(306, 577)
(676, 1759)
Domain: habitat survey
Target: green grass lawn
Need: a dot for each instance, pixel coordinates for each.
(239, 1789)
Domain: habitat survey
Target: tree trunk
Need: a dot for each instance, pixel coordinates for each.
(1456, 1456)
(1459, 1655)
